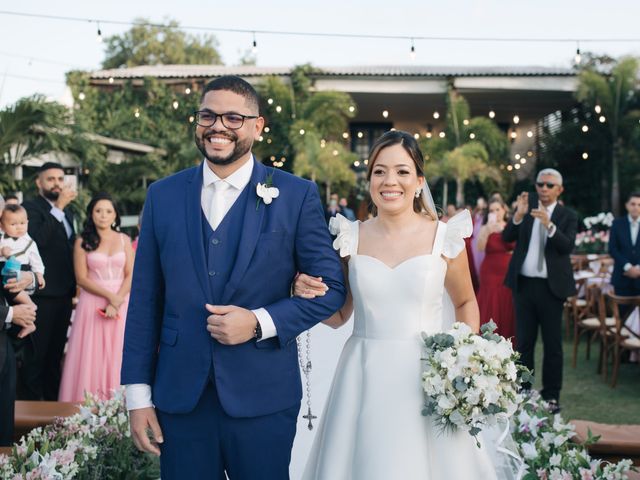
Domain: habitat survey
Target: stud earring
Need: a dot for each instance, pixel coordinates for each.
(418, 192)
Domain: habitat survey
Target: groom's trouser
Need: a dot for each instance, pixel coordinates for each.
(537, 308)
(206, 442)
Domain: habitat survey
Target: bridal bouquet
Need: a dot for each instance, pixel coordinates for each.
(470, 381)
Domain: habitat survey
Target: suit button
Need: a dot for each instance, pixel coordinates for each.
(212, 273)
(215, 241)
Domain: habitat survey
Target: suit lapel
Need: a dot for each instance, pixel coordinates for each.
(194, 229)
(251, 227)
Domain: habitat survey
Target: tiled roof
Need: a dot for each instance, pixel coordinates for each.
(208, 71)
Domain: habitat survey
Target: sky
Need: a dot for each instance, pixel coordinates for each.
(36, 53)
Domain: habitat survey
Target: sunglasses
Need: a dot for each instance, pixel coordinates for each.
(545, 184)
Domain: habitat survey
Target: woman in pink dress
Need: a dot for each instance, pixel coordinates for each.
(494, 298)
(103, 260)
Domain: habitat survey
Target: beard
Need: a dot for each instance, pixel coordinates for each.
(240, 150)
(50, 195)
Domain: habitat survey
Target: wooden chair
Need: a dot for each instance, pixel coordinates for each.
(575, 308)
(620, 338)
(593, 324)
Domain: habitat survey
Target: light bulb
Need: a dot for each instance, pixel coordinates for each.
(602, 119)
(356, 163)
(137, 113)
(416, 136)
(578, 58)
(429, 135)
(302, 131)
(175, 104)
(523, 161)
(472, 135)
(442, 134)
(352, 108)
(270, 101)
(585, 128)
(278, 109)
(267, 129)
(514, 134)
(111, 80)
(360, 134)
(509, 167)
(254, 47)
(436, 115)
(517, 156)
(81, 96)
(192, 118)
(516, 119)
(492, 114)
(412, 53)
(345, 135)
(465, 121)
(517, 166)
(585, 155)
(385, 113)
(529, 134)
(597, 108)
(187, 91)
(335, 153)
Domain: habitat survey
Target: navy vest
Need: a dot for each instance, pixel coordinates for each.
(221, 246)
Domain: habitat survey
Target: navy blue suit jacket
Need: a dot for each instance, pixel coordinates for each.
(623, 252)
(166, 341)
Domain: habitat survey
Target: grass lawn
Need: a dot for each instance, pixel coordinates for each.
(586, 396)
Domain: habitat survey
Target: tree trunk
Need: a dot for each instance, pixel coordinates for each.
(615, 180)
(459, 192)
(445, 194)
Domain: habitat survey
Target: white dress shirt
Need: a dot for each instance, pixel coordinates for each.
(30, 255)
(530, 264)
(61, 217)
(139, 395)
(633, 225)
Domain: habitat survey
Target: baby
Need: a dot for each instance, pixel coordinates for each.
(16, 242)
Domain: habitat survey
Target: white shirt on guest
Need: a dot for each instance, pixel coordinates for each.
(28, 255)
(530, 264)
(139, 394)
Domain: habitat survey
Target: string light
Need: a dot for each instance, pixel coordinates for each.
(585, 128)
(517, 166)
(429, 135)
(302, 131)
(269, 140)
(523, 161)
(254, 47)
(345, 135)
(267, 129)
(187, 91)
(385, 113)
(442, 134)
(272, 158)
(270, 101)
(597, 108)
(278, 108)
(517, 156)
(137, 113)
(516, 119)
(578, 58)
(436, 115)
(416, 136)
(175, 104)
(111, 80)
(323, 143)
(509, 167)
(366, 161)
(192, 118)
(514, 134)
(602, 119)
(99, 35)
(352, 108)
(465, 122)
(412, 53)
(81, 96)
(360, 134)
(260, 138)
(585, 156)
(529, 154)
(492, 114)
(529, 134)
(335, 153)
(472, 135)
(356, 163)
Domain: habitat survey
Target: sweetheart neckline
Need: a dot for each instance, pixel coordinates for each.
(424, 255)
(106, 254)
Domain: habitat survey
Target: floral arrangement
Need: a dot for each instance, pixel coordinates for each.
(596, 236)
(470, 381)
(93, 444)
(543, 442)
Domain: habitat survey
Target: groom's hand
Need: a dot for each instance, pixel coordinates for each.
(231, 325)
(141, 421)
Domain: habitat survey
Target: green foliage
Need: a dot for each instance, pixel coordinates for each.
(305, 128)
(471, 150)
(147, 44)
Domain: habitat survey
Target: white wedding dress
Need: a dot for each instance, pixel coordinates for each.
(372, 427)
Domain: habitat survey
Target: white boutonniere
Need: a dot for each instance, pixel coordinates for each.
(266, 191)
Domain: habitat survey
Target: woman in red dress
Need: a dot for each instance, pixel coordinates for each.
(494, 298)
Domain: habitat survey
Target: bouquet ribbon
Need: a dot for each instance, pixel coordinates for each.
(499, 448)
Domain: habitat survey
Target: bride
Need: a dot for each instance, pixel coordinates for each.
(402, 266)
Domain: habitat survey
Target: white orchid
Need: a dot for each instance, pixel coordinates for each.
(267, 193)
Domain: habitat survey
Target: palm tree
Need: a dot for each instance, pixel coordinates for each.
(614, 99)
(471, 149)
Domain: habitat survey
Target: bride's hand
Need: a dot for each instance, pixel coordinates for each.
(306, 286)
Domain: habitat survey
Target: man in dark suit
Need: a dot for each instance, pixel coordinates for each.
(12, 320)
(51, 227)
(541, 277)
(624, 248)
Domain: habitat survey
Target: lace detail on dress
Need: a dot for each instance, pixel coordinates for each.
(459, 227)
(346, 232)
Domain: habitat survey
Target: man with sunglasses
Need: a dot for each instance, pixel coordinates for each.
(541, 276)
(210, 358)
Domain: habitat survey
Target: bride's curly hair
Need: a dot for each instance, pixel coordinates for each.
(410, 145)
(90, 236)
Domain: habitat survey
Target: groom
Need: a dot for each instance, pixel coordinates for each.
(210, 356)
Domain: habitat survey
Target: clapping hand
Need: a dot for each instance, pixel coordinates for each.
(306, 286)
(522, 207)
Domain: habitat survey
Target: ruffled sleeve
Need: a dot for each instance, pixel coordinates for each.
(459, 227)
(346, 232)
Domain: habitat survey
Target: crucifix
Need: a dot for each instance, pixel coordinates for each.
(309, 416)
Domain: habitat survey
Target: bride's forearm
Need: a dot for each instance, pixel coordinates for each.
(341, 316)
(469, 313)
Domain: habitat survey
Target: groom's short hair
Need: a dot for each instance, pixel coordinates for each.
(236, 85)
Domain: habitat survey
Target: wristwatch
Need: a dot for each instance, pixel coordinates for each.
(257, 333)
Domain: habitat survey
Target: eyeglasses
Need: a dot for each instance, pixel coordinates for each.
(232, 121)
(549, 185)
